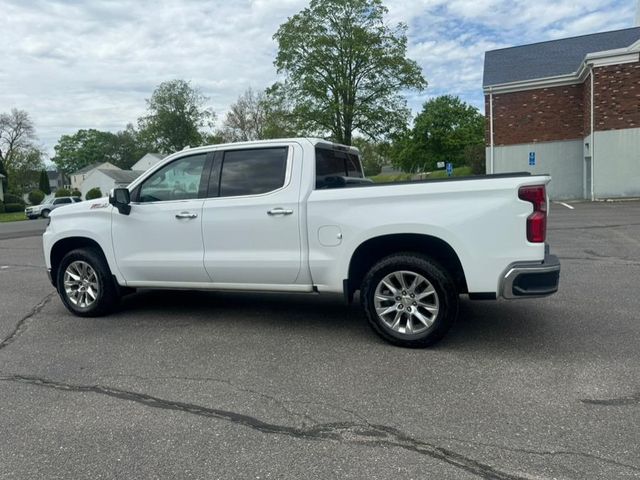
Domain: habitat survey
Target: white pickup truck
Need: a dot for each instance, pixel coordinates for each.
(297, 215)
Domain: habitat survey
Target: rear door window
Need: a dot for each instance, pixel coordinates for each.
(253, 172)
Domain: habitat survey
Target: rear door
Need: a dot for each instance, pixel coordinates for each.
(251, 227)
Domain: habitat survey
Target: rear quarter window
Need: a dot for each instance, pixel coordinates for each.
(335, 163)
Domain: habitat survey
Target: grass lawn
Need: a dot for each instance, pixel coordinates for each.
(12, 217)
(457, 172)
(395, 177)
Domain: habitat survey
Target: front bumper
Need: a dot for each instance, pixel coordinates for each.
(528, 279)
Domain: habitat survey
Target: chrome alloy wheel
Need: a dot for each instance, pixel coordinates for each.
(406, 302)
(81, 284)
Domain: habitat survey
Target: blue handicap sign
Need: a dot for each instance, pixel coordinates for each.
(449, 168)
(532, 159)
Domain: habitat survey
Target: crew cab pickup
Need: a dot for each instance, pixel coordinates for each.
(297, 215)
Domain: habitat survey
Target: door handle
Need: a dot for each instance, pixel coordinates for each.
(186, 215)
(280, 211)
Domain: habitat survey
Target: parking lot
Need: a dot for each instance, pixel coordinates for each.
(235, 385)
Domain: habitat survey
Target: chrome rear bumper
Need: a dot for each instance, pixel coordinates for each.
(530, 279)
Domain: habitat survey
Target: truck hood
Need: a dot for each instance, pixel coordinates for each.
(86, 207)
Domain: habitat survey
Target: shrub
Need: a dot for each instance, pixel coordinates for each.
(11, 198)
(93, 193)
(36, 197)
(76, 193)
(63, 192)
(13, 207)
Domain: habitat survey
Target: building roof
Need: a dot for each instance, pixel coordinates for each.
(552, 58)
(121, 176)
(2, 176)
(88, 168)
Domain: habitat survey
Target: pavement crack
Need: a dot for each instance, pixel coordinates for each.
(23, 323)
(633, 399)
(279, 402)
(348, 432)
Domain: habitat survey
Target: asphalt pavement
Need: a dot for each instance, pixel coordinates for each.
(25, 228)
(235, 385)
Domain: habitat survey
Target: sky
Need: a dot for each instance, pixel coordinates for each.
(91, 64)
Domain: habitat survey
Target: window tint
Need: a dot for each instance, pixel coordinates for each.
(59, 201)
(251, 172)
(180, 180)
(335, 163)
(77, 199)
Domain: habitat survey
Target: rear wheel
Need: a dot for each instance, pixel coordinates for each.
(45, 213)
(85, 284)
(409, 299)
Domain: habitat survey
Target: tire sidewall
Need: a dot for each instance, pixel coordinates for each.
(103, 302)
(439, 279)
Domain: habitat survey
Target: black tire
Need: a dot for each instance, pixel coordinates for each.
(436, 275)
(45, 213)
(108, 294)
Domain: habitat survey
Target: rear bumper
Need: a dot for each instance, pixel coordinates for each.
(527, 279)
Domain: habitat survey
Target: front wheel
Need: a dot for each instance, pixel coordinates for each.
(45, 213)
(409, 299)
(85, 284)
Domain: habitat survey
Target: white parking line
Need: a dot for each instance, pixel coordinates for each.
(565, 205)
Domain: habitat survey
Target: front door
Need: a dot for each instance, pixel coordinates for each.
(252, 227)
(160, 242)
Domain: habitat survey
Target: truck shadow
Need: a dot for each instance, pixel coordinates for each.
(520, 327)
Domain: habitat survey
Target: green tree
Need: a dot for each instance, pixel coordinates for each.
(373, 155)
(176, 117)
(443, 131)
(45, 186)
(345, 67)
(279, 118)
(24, 170)
(83, 148)
(129, 146)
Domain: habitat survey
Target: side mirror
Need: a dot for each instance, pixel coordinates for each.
(121, 199)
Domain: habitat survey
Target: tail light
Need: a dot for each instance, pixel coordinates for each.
(537, 221)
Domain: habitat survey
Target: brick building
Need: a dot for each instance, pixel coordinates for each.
(568, 107)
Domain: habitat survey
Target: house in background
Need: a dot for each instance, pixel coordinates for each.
(107, 178)
(148, 161)
(568, 107)
(78, 178)
(57, 180)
